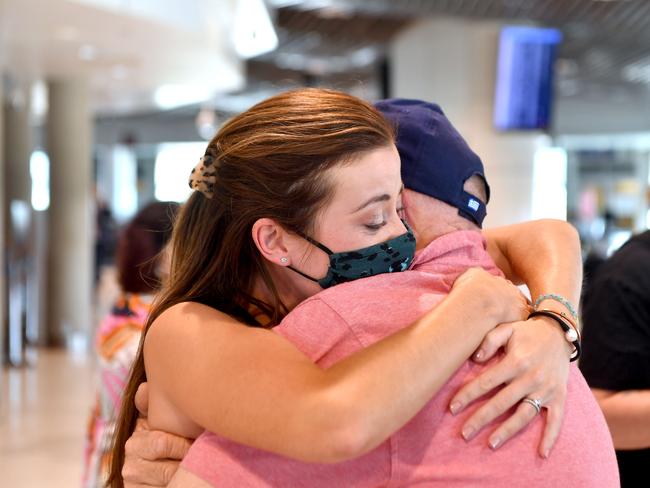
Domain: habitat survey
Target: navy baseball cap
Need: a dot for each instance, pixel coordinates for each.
(436, 160)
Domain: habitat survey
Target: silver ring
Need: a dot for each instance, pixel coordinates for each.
(537, 405)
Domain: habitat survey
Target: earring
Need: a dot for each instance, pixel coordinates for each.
(284, 260)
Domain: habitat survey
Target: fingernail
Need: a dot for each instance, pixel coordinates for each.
(455, 407)
(495, 442)
(546, 454)
(479, 355)
(468, 432)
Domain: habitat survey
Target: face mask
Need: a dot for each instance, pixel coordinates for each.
(386, 257)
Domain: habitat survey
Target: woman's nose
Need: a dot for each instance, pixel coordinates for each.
(397, 228)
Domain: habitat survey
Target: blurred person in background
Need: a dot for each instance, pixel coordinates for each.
(142, 262)
(616, 359)
(105, 233)
(597, 250)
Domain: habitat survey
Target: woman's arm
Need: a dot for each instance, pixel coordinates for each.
(628, 416)
(252, 386)
(542, 254)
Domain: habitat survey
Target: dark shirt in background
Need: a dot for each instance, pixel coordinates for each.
(616, 337)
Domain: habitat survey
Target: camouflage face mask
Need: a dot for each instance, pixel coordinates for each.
(390, 256)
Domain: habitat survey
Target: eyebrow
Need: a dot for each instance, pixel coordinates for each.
(379, 198)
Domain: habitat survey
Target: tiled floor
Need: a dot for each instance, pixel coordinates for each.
(43, 415)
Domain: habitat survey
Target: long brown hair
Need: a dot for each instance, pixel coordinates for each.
(270, 162)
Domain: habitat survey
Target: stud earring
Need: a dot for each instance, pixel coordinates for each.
(284, 260)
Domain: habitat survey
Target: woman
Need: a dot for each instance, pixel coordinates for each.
(272, 162)
(139, 274)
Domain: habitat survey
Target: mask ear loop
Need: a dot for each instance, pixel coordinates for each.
(320, 246)
(302, 274)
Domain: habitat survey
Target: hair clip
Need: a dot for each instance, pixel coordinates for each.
(203, 176)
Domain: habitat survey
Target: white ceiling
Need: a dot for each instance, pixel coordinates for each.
(129, 50)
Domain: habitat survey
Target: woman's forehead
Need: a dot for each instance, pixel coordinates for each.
(373, 173)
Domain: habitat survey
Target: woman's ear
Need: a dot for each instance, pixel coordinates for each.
(272, 240)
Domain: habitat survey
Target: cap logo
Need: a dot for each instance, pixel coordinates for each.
(473, 204)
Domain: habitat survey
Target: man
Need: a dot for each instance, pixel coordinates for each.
(616, 360)
(442, 197)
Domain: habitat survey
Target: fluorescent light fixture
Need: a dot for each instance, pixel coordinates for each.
(174, 163)
(549, 198)
(171, 96)
(284, 3)
(39, 103)
(253, 33)
(125, 183)
(39, 170)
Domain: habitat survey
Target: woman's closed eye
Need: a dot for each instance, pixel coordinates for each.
(375, 227)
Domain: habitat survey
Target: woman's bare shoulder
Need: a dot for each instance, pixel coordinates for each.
(188, 324)
(186, 314)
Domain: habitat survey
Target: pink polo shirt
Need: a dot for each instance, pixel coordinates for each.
(428, 450)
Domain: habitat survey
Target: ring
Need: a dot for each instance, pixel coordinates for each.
(537, 405)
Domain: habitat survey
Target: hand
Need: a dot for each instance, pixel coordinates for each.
(492, 295)
(152, 457)
(536, 365)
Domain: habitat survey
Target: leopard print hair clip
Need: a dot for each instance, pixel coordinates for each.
(203, 176)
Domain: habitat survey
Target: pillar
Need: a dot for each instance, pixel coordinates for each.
(453, 62)
(18, 214)
(71, 217)
(19, 147)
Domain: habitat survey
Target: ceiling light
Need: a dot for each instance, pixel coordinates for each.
(638, 72)
(284, 3)
(172, 96)
(253, 33)
(39, 102)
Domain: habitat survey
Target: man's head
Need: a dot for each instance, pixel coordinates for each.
(431, 218)
(443, 177)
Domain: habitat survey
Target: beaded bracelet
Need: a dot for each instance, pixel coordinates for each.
(570, 334)
(558, 298)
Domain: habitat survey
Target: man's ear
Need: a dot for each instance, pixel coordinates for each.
(271, 240)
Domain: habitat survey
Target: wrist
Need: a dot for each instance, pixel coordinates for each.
(542, 321)
(479, 310)
(571, 334)
(556, 303)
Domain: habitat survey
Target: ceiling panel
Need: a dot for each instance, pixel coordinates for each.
(606, 43)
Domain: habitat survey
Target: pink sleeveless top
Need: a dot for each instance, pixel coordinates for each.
(428, 450)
